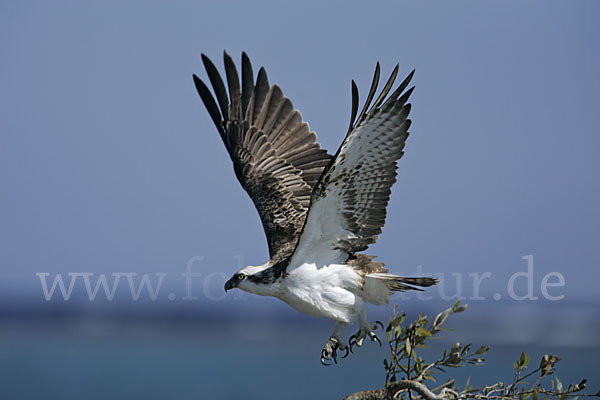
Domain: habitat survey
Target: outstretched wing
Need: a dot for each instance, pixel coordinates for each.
(348, 206)
(275, 156)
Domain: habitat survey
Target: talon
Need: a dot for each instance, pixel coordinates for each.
(324, 357)
(374, 338)
(380, 324)
(347, 352)
(352, 342)
(329, 352)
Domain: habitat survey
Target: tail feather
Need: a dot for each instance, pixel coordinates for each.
(401, 284)
(377, 283)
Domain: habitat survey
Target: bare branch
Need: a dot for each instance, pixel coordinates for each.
(391, 390)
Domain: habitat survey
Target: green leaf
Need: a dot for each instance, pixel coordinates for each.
(559, 385)
(523, 361)
(419, 365)
(397, 321)
(482, 350)
(477, 361)
(441, 318)
(465, 349)
(461, 308)
(423, 331)
(580, 385)
(468, 382)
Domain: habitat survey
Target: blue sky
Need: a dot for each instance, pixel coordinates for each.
(110, 163)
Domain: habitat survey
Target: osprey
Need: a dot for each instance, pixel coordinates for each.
(318, 211)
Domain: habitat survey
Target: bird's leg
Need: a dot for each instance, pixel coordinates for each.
(365, 330)
(334, 344)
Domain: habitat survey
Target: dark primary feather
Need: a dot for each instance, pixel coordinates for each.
(371, 92)
(354, 105)
(275, 156)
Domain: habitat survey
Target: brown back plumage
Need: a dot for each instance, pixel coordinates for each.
(365, 264)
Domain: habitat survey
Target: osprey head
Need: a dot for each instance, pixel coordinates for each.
(235, 280)
(246, 278)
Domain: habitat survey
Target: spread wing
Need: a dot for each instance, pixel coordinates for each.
(275, 155)
(348, 206)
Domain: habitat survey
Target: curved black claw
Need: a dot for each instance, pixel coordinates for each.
(324, 356)
(380, 324)
(329, 352)
(374, 338)
(352, 342)
(347, 352)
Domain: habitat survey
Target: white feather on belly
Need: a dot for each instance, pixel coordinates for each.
(331, 291)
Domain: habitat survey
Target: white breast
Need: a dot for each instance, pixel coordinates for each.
(330, 291)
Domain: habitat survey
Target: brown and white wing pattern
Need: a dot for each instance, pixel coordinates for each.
(275, 155)
(348, 205)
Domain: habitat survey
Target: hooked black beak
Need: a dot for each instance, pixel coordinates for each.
(230, 284)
